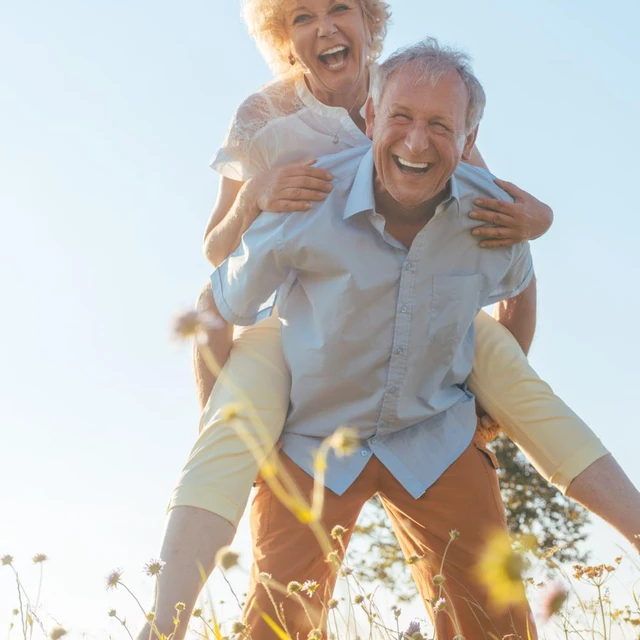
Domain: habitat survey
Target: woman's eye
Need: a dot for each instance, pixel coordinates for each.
(299, 19)
(340, 7)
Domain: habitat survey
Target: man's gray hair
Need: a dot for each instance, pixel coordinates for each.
(433, 61)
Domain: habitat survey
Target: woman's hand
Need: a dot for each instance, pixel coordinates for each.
(525, 219)
(294, 187)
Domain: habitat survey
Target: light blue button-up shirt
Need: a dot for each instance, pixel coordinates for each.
(377, 336)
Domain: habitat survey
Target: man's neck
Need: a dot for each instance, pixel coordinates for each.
(403, 223)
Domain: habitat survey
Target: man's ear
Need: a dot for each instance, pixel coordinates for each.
(369, 117)
(469, 143)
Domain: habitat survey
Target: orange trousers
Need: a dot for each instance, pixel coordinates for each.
(466, 498)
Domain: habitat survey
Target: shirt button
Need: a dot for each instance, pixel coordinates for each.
(393, 389)
(399, 351)
(408, 266)
(403, 309)
(364, 454)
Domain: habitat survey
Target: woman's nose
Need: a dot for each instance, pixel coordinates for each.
(327, 26)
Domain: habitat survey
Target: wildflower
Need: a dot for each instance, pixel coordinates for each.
(39, 557)
(57, 633)
(333, 557)
(358, 599)
(414, 627)
(196, 324)
(231, 411)
(264, 577)
(6, 560)
(112, 613)
(332, 604)
(314, 634)
(454, 534)
(226, 558)
(596, 575)
(413, 559)
(310, 587)
(294, 587)
(500, 570)
(552, 600)
(396, 611)
(151, 616)
(344, 441)
(154, 567)
(337, 532)
(180, 606)
(346, 571)
(113, 579)
(238, 627)
(197, 613)
(15, 612)
(440, 605)
(438, 579)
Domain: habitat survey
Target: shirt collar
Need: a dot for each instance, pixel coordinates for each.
(361, 197)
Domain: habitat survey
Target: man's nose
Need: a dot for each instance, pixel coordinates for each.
(417, 139)
(327, 26)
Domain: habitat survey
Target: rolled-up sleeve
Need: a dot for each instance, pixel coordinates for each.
(518, 276)
(247, 278)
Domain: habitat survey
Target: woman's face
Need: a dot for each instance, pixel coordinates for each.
(329, 39)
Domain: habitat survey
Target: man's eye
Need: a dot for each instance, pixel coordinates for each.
(439, 126)
(402, 117)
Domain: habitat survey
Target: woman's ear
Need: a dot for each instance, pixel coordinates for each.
(369, 117)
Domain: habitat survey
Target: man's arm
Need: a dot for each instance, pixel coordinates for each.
(518, 314)
(247, 278)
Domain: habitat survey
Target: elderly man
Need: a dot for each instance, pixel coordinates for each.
(383, 281)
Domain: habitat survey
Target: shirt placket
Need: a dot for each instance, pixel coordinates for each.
(405, 308)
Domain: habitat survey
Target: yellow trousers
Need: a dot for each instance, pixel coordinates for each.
(221, 468)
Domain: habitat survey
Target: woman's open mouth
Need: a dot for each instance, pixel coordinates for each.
(334, 58)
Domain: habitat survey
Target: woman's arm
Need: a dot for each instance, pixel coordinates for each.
(293, 187)
(525, 219)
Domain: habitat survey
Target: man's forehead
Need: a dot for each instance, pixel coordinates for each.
(411, 79)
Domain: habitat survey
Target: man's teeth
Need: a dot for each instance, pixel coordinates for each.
(412, 165)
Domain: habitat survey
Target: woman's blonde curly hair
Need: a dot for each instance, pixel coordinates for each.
(266, 24)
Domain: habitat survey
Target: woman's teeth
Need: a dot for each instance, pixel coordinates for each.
(335, 57)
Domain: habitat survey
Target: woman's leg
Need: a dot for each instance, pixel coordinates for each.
(553, 438)
(214, 486)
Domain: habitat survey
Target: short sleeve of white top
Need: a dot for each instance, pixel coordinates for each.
(283, 123)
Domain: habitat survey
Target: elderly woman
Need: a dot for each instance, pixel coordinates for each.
(323, 53)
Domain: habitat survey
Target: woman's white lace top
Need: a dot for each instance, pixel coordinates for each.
(282, 123)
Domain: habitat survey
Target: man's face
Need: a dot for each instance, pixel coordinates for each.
(419, 135)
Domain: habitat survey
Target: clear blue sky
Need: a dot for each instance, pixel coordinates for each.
(109, 113)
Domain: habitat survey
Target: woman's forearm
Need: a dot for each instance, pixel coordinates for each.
(222, 239)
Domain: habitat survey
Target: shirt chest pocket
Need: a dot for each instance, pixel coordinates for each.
(454, 304)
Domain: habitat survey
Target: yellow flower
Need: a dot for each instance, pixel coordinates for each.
(39, 557)
(113, 579)
(500, 570)
(226, 558)
(337, 532)
(239, 627)
(57, 633)
(180, 606)
(344, 441)
(6, 560)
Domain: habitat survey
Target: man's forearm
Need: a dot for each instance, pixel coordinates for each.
(518, 314)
